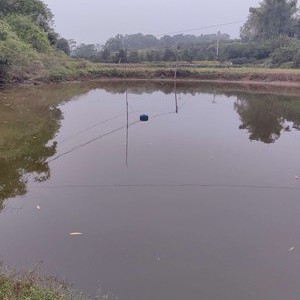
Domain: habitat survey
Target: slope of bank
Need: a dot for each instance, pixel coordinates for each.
(82, 70)
(29, 285)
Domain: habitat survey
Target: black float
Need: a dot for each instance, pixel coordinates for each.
(144, 118)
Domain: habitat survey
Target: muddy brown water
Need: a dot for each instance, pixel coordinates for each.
(200, 202)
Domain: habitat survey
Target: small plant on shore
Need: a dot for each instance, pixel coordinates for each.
(31, 285)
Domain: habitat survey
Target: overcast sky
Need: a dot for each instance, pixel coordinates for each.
(94, 21)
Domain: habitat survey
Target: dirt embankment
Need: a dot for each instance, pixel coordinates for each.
(135, 72)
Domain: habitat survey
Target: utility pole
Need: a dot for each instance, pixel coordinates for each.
(218, 44)
(176, 68)
(217, 48)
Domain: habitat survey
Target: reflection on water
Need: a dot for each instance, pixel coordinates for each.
(31, 118)
(183, 206)
(267, 116)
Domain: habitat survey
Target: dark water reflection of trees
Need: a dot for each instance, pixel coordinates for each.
(31, 117)
(29, 120)
(266, 117)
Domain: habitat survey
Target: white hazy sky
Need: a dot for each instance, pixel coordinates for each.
(94, 21)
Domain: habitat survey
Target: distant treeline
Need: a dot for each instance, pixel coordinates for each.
(270, 36)
(138, 47)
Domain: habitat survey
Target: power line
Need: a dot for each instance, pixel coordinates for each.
(183, 185)
(201, 28)
(90, 127)
(89, 142)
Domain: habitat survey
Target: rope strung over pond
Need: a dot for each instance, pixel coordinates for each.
(183, 185)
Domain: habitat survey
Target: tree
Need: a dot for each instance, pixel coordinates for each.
(72, 44)
(114, 44)
(105, 56)
(169, 55)
(133, 57)
(122, 56)
(36, 9)
(85, 51)
(63, 45)
(271, 19)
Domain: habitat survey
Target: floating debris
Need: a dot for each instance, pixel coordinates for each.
(38, 207)
(296, 177)
(75, 233)
(144, 118)
(291, 249)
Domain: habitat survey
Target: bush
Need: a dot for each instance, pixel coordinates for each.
(297, 59)
(29, 32)
(4, 68)
(63, 45)
(15, 55)
(283, 55)
(243, 61)
(248, 50)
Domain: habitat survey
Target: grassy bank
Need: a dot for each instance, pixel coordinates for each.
(21, 286)
(30, 285)
(60, 68)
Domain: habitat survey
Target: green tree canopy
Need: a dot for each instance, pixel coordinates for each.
(29, 32)
(36, 9)
(63, 45)
(271, 19)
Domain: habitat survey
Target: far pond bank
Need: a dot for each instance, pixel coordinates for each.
(137, 72)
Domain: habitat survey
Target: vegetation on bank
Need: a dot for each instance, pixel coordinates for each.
(29, 46)
(31, 51)
(166, 72)
(280, 51)
(30, 285)
(270, 37)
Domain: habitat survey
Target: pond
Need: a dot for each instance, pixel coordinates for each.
(202, 201)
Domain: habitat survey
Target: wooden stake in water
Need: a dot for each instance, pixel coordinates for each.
(176, 100)
(127, 127)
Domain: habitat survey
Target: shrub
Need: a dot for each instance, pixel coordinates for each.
(297, 59)
(283, 55)
(15, 54)
(4, 68)
(29, 32)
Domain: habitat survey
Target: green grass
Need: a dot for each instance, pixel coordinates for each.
(30, 285)
(73, 70)
(70, 69)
